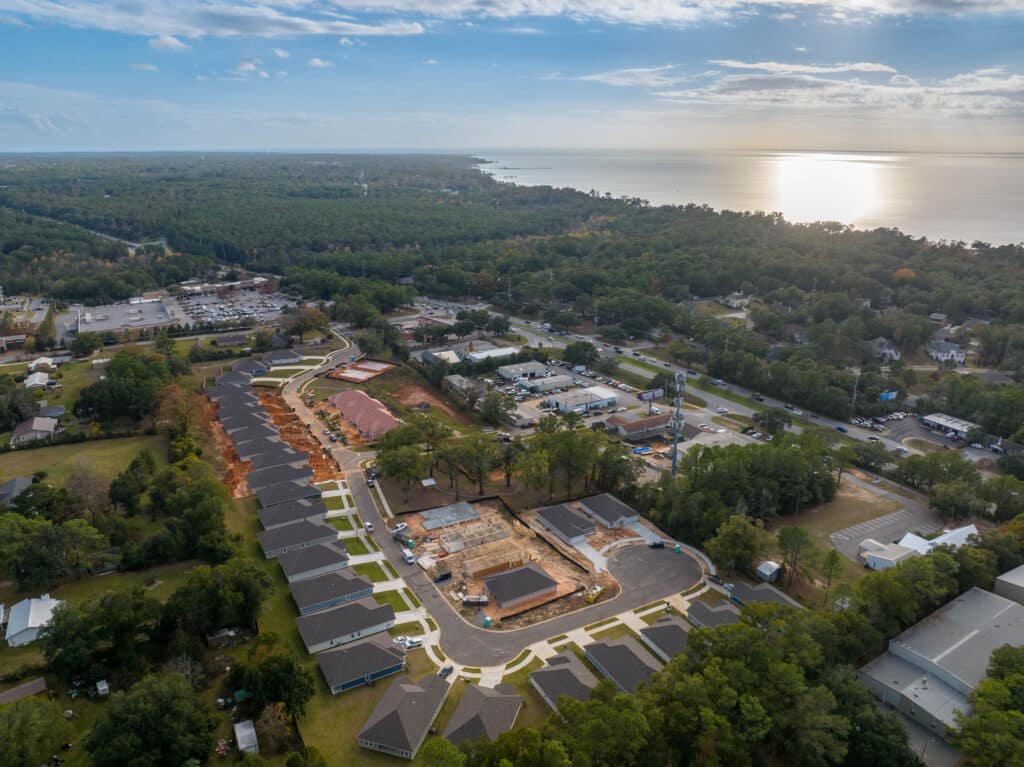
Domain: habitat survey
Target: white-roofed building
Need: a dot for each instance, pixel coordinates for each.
(882, 556)
(584, 400)
(37, 381)
(949, 424)
(498, 352)
(27, 618)
(955, 538)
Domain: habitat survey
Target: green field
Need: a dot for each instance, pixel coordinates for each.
(356, 546)
(97, 458)
(334, 503)
(344, 524)
(370, 570)
(404, 629)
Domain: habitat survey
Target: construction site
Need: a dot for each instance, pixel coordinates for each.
(360, 371)
(463, 546)
(298, 435)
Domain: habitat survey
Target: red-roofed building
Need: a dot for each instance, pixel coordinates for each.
(370, 416)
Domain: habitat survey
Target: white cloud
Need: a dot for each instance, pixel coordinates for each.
(167, 43)
(145, 67)
(281, 73)
(900, 80)
(346, 42)
(318, 63)
(800, 49)
(281, 53)
(778, 67)
(263, 75)
(431, 62)
(639, 77)
(523, 30)
(247, 65)
(195, 19)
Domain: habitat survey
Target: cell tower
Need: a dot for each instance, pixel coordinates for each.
(677, 426)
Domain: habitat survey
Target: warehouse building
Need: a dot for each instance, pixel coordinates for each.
(342, 625)
(403, 717)
(609, 511)
(930, 670)
(623, 661)
(583, 400)
(1010, 585)
(528, 370)
(704, 616)
(881, 556)
(563, 676)
(513, 588)
(947, 424)
(360, 663)
(296, 536)
(566, 524)
(291, 512)
(329, 591)
(549, 383)
(313, 562)
(666, 637)
(484, 712)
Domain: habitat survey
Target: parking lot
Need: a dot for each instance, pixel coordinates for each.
(235, 306)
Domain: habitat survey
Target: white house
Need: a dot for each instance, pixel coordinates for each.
(27, 618)
(882, 556)
(946, 351)
(885, 350)
(37, 381)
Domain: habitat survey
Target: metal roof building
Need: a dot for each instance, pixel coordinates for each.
(931, 668)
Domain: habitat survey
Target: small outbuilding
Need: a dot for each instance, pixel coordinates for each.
(245, 737)
(769, 571)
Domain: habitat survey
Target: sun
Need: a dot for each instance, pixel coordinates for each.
(827, 187)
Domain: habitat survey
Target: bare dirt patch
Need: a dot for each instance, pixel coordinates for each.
(297, 434)
(413, 396)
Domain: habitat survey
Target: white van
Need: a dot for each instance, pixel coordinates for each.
(408, 556)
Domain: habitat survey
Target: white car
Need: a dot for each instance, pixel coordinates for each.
(368, 526)
(399, 527)
(721, 410)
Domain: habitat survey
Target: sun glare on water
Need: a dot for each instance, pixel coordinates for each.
(827, 187)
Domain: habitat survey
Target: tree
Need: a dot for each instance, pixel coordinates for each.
(736, 544)
(773, 420)
(305, 319)
(956, 500)
(450, 458)
(403, 464)
(831, 566)
(67, 643)
(496, 409)
(273, 729)
(157, 723)
(438, 752)
(479, 456)
(163, 343)
(581, 353)
(85, 343)
(508, 457)
(31, 730)
(797, 549)
(993, 734)
(279, 678)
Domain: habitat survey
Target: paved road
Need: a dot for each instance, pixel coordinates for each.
(646, 575)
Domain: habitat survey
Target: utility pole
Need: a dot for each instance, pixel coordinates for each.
(680, 381)
(856, 383)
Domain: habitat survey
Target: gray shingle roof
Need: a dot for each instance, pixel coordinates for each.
(566, 521)
(705, 616)
(227, 392)
(253, 447)
(608, 508)
(319, 590)
(484, 713)
(261, 478)
(283, 492)
(296, 534)
(623, 661)
(276, 454)
(257, 431)
(240, 379)
(520, 582)
(564, 675)
(405, 713)
(313, 558)
(668, 634)
(744, 594)
(291, 511)
(342, 621)
(358, 661)
(12, 488)
(256, 419)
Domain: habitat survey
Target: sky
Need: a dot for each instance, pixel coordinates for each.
(927, 75)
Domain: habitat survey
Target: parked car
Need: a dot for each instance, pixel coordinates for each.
(368, 526)
(721, 410)
(446, 672)
(842, 429)
(399, 528)
(658, 544)
(408, 557)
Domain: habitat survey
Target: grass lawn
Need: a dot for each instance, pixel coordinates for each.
(344, 524)
(332, 722)
(393, 598)
(519, 658)
(372, 544)
(534, 710)
(372, 571)
(412, 598)
(283, 373)
(604, 622)
(614, 632)
(651, 619)
(650, 606)
(334, 502)
(431, 624)
(356, 546)
(405, 629)
(100, 458)
(455, 692)
(557, 639)
(924, 445)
